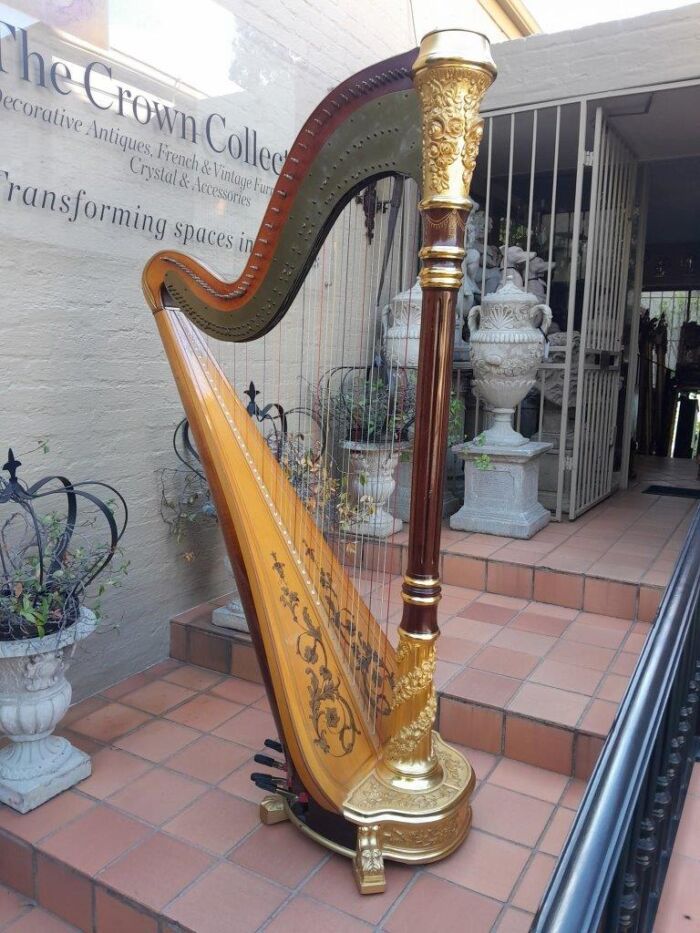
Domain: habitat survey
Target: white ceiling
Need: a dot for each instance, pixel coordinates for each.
(660, 125)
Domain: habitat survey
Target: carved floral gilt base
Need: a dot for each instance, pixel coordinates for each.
(34, 696)
(405, 825)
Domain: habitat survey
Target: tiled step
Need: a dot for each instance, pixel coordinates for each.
(193, 638)
(21, 914)
(164, 836)
(534, 682)
(615, 559)
(535, 570)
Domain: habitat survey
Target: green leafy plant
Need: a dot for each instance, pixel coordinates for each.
(370, 406)
(185, 502)
(455, 424)
(483, 461)
(37, 603)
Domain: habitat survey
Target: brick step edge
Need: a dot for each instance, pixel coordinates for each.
(74, 895)
(537, 742)
(195, 640)
(636, 601)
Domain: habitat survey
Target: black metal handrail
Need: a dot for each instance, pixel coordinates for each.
(612, 868)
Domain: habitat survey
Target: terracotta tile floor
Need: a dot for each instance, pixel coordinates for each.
(550, 663)
(169, 820)
(679, 908)
(631, 537)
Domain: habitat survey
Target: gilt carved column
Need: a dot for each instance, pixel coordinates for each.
(451, 74)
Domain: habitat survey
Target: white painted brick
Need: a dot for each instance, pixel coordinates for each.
(657, 48)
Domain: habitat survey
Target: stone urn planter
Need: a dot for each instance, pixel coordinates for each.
(401, 327)
(34, 696)
(501, 468)
(371, 484)
(507, 347)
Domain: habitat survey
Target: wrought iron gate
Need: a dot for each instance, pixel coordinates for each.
(612, 200)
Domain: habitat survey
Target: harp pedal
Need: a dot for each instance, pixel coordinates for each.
(273, 808)
(276, 785)
(270, 762)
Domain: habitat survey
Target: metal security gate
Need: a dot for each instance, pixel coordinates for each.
(612, 200)
(557, 185)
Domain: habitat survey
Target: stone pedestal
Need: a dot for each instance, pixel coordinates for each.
(401, 502)
(231, 616)
(500, 490)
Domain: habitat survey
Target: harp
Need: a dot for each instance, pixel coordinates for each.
(367, 774)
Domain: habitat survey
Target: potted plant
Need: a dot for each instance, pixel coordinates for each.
(368, 413)
(50, 555)
(185, 497)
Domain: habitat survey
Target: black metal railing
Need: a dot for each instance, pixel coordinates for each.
(612, 868)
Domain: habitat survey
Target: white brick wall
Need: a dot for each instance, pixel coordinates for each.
(657, 48)
(82, 361)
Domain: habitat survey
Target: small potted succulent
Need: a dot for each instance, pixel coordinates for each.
(50, 555)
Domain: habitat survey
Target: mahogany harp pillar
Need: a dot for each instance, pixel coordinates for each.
(451, 74)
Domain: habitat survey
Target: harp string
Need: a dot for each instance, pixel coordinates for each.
(335, 284)
(386, 591)
(335, 321)
(390, 410)
(379, 549)
(368, 318)
(347, 550)
(358, 542)
(403, 260)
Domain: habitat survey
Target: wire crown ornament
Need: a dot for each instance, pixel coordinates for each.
(48, 559)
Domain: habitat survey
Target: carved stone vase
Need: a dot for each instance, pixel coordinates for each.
(34, 696)
(371, 483)
(507, 347)
(401, 327)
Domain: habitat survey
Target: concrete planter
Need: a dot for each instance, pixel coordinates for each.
(231, 616)
(401, 327)
(371, 474)
(34, 697)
